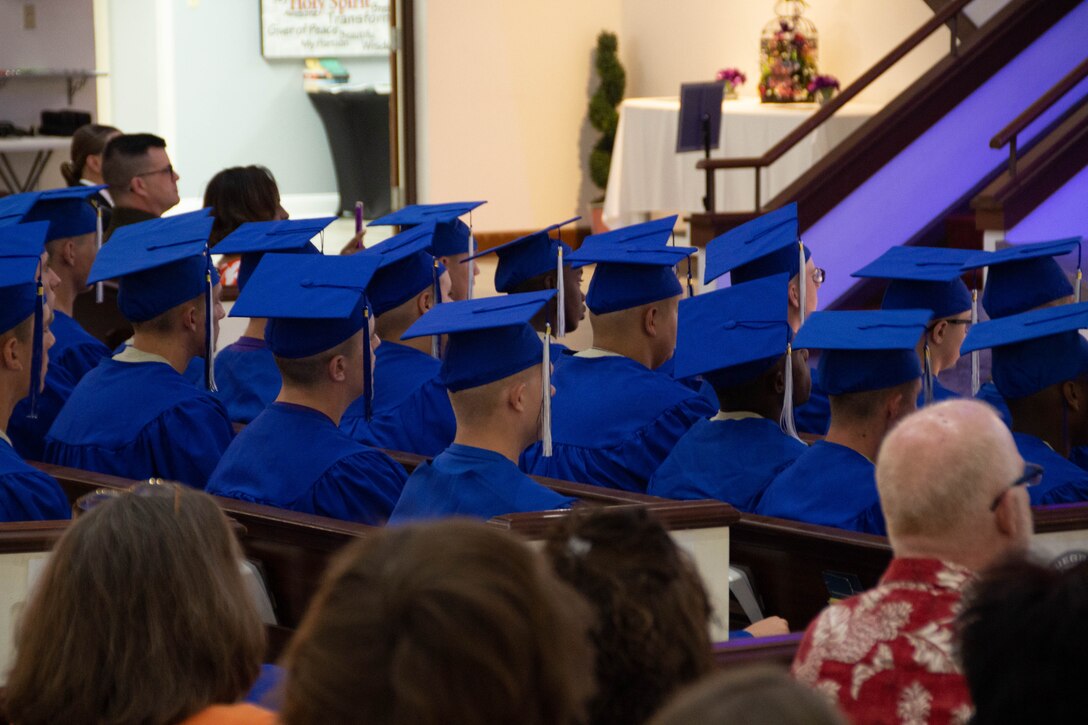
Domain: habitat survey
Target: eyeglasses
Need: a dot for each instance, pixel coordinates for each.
(1033, 474)
(150, 487)
(168, 170)
(818, 276)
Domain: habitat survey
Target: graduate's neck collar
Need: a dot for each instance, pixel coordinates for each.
(328, 400)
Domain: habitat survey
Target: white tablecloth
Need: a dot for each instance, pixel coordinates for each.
(647, 175)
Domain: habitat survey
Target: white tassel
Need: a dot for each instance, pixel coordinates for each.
(975, 375)
(1076, 292)
(546, 405)
(927, 373)
(561, 296)
(786, 420)
(99, 290)
(802, 279)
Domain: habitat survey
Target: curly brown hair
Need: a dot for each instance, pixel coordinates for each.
(652, 633)
(449, 622)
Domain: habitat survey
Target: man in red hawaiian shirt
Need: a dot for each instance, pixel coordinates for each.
(951, 486)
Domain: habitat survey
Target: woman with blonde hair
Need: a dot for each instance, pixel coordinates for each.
(140, 616)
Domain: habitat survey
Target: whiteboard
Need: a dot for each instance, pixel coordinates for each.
(323, 28)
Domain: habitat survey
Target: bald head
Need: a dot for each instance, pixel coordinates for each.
(939, 471)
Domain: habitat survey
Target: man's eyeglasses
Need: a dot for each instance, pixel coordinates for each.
(818, 276)
(168, 170)
(1033, 474)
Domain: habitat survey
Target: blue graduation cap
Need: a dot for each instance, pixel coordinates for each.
(766, 245)
(14, 207)
(254, 239)
(69, 211)
(630, 274)
(864, 350)
(490, 339)
(1034, 350)
(657, 230)
(733, 336)
(452, 236)
(927, 278)
(159, 264)
(22, 293)
(1025, 276)
(313, 303)
(405, 268)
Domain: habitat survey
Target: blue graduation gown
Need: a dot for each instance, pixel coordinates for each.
(411, 410)
(295, 457)
(1063, 481)
(730, 460)
(613, 422)
(75, 351)
(828, 484)
(27, 494)
(140, 420)
(695, 382)
(988, 393)
(470, 481)
(247, 378)
(28, 435)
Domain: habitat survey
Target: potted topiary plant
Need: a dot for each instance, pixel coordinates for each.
(604, 116)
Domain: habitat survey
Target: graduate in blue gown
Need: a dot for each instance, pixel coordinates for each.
(135, 415)
(872, 374)
(246, 375)
(539, 261)
(411, 409)
(70, 248)
(1023, 277)
(452, 242)
(617, 417)
(499, 384)
(734, 456)
(771, 245)
(1040, 367)
(26, 493)
(293, 455)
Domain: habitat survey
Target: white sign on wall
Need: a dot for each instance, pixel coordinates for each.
(319, 28)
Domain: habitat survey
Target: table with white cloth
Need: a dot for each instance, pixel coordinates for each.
(42, 147)
(647, 175)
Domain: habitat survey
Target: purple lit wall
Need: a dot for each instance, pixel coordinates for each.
(1064, 214)
(947, 161)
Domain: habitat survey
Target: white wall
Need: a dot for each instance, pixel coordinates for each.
(504, 85)
(192, 71)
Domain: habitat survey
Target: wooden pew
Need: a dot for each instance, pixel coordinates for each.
(777, 651)
(1061, 533)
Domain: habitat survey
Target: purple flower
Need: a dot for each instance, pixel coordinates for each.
(733, 76)
(820, 83)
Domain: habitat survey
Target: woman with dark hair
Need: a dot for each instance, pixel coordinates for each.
(450, 622)
(241, 194)
(653, 614)
(140, 616)
(85, 166)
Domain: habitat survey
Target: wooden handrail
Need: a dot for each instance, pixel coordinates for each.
(1044, 102)
(828, 109)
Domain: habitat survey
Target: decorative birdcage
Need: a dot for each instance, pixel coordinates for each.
(787, 55)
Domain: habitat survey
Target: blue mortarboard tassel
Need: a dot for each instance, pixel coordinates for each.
(209, 330)
(561, 295)
(368, 387)
(37, 353)
(546, 401)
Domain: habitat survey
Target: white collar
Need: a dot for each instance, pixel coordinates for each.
(594, 352)
(4, 437)
(131, 355)
(735, 415)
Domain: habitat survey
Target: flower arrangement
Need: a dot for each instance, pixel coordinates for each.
(823, 87)
(733, 78)
(787, 56)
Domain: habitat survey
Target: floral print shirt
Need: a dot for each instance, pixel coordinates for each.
(885, 656)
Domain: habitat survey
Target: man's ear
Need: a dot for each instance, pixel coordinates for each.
(192, 319)
(338, 368)
(649, 321)
(937, 332)
(893, 407)
(780, 379)
(515, 396)
(9, 354)
(1073, 394)
(793, 290)
(67, 253)
(425, 301)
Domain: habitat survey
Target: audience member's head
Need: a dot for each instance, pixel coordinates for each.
(653, 614)
(1024, 643)
(241, 194)
(749, 696)
(452, 622)
(876, 410)
(139, 173)
(88, 143)
(947, 477)
(764, 393)
(141, 615)
(19, 305)
(409, 281)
